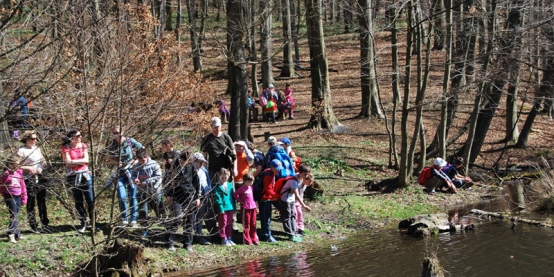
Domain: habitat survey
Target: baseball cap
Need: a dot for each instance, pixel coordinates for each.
(199, 157)
(240, 142)
(216, 121)
(439, 162)
(272, 140)
(277, 164)
(286, 141)
(270, 85)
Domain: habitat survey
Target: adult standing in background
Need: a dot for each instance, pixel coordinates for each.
(75, 158)
(121, 153)
(32, 164)
(220, 150)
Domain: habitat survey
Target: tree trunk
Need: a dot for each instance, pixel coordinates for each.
(202, 36)
(252, 48)
(439, 20)
(322, 109)
(443, 125)
(266, 6)
(238, 121)
(395, 89)
(348, 17)
(370, 101)
(169, 16)
(404, 172)
(288, 64)
(194, 35)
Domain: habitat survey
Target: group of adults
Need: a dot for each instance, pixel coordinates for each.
(183, 178)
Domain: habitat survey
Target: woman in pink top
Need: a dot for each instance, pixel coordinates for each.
(245, 195)
(12, 188)
(75, 158)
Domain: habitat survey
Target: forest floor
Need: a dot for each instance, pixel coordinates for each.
(343, 163)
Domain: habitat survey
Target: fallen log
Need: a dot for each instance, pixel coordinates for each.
(513, 219)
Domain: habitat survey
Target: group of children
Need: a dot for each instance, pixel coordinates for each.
(186, 185)
(443, 175)
(274, 103)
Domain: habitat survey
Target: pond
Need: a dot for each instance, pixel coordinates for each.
(492, 249)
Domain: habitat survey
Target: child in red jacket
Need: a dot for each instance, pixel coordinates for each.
(12, 188)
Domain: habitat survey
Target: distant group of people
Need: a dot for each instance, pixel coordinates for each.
(442, 175)
(185, 190)
(275, 105)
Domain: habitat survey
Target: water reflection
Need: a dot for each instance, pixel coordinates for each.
(492, 249)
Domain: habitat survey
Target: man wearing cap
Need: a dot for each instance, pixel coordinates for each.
(276, 151)
(438, 177)
(219, 149)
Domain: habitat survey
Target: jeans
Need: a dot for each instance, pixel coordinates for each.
(181, 212)
(149, 198)
(14, 204)
(36, 195)
(458, 183)
(265, 218)
(126, 188)
(81, 193)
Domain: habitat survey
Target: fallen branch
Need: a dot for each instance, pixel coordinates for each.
(513, 219)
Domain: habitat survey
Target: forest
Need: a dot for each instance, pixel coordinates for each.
(408, 79)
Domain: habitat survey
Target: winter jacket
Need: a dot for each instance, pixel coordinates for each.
(125, 149)
(149, 173)
(185, 187)
(13, 184)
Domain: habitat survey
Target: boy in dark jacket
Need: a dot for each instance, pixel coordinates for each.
(183, 196)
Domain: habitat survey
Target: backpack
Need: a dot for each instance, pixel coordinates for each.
(424, 176)
(279, 184)
(296, 160)
(282, 156)
(258, 185)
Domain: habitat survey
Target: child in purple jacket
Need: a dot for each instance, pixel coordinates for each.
(12, 188)
(245, 195)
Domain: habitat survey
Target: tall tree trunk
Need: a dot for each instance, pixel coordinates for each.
(322, 109)
(237, 80)
(439, 19)
(295, 24)
(203, 18)
(194, 35)
(288, 64)
(512, 131)
(370, 101)
(169, 15)
(252, 47)
(404, 172)
(348, 17)
(266, 6)
(443, 125)
(395, 89)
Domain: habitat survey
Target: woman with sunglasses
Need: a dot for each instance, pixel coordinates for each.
(32, 164)
(75, 158)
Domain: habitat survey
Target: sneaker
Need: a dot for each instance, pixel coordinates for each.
(82, 229)
(134, 224)
(231, 242)
(271, 240)
(203, 241)
(20, 238)
(172, 248)
(125, 223)
(12, 238)
(296, 239)
(226, 243)
(189, 248)
(300, 232)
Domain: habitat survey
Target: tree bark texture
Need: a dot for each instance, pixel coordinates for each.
(288, 63)
(266, 7)
(237, 79)
(322, 109)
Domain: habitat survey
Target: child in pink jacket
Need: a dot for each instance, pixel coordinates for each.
(12, 188)
(245, 196)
